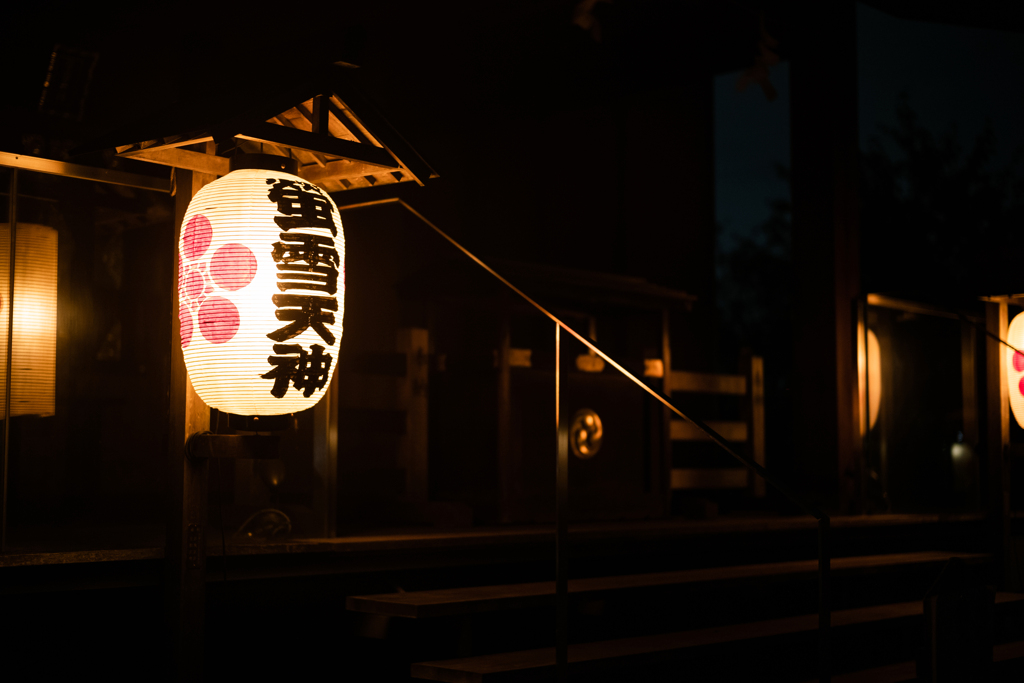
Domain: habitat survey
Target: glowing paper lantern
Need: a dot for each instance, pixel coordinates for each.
(261, 291)
(34, 343)
(874, 378)
(1015, 367)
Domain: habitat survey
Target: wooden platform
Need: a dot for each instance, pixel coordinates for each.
(436, 603)
(539, 664)
(444, 539)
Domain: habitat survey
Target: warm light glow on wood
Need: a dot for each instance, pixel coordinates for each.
(34, 362)
(1015, 367)
(261, 287)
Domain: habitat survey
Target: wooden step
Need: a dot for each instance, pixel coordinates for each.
(907, 671)
(539, 664)
(452, 601)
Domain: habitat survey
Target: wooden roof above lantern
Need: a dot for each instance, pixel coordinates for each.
(339, 138)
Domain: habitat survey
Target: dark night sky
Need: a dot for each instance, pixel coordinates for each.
(952, 75)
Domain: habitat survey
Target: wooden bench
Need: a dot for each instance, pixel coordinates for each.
(749, 432)
(455, 601)
(589, 658)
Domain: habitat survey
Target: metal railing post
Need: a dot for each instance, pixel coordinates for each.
(561, 524)
(562, 472)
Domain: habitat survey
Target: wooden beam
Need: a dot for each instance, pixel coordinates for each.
(184, 159)
(710, 478)
(311, 142)
(320, 113)
(362, 108)
(681, 430)
(351, 125)
(707, 383)
(318, 158)
(335, 170)
(164, 143)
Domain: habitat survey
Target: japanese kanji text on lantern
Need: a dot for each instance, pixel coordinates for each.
(261, 292)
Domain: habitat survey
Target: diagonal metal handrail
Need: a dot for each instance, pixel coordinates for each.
(824, 613)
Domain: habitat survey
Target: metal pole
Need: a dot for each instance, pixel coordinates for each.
(561, 526)
(824, 611)
(12, 221)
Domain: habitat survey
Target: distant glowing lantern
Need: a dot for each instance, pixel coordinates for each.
(1015, 367)
(874, 378)
(586, 434)
(34, 342)
(261, 289)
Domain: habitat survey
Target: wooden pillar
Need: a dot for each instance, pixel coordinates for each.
(412, 398)
(998, 498)
(185, 555)
(325, 458)
(508, 472)
(825, 169)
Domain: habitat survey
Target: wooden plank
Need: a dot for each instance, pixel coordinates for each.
(709, 478)
(475, 599)
(183, 159)
(540, 663)
(311, 142)
(707, 383)
(681, 430)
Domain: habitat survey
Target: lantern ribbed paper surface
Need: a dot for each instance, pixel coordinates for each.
(1015, 367)
(34, 343)
(261, 291)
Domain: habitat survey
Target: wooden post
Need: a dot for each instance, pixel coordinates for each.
(824, 601)
(753, 368)
(185, 556)
(325, 457)
(825, 163)
(665, 472)
(412, 398)
(996, 322)
(507, 471)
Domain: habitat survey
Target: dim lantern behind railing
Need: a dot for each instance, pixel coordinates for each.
(1015, 367)
(34, 343)
(261, 289)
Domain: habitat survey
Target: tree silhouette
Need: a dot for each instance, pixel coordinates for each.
(938, 222)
